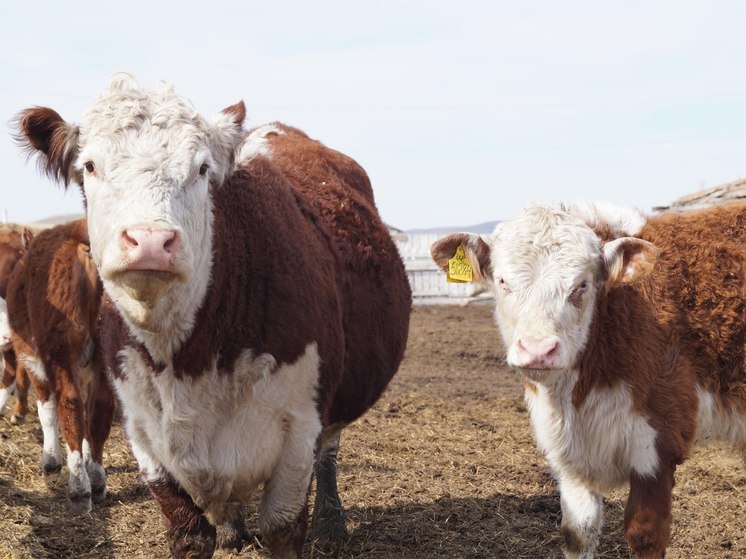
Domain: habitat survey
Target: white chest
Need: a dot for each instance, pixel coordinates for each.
(600, 442)
(222, 434)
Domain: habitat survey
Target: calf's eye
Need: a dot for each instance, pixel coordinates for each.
(89, 166)
(203, 169)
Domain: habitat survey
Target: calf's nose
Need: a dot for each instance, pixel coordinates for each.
(150, 249)
(535, 353)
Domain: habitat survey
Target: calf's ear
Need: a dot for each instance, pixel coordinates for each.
(628, 260)
(477, 252)
(42, 131)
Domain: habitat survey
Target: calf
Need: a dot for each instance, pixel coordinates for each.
(630, 332)
(256, 304)
(12, 245)
(53, 299)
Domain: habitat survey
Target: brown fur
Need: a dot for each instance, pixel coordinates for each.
(11, 250)
(53, 300)
(682, 326)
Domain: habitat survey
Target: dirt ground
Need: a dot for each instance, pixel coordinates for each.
(444, 466)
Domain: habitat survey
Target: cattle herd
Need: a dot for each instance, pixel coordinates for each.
(238, 296)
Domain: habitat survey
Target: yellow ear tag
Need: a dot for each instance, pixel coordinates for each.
(459, 269)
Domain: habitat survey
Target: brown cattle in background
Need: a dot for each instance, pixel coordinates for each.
(54, 295)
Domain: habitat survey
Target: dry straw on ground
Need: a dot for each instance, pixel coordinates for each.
(443, 467)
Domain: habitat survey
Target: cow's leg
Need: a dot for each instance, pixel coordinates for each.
(46, 405)
(22, 383)
(647, 516)
(72, 422)
(283, 513)
(328, 523)
(582, 518)
(7, 385)
(190, 535)
(99, 417)
(233, 533)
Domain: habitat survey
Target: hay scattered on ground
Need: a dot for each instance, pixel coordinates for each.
(444, 466)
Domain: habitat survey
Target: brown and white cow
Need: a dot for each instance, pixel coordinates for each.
(53, 300)
(255, 304)
(631, 334)
(12, 245)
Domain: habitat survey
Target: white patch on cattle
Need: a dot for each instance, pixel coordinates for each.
(598, 444)
(256, 143)
(582, 514)
(222, 434)
(4, 393)
(51, 456)
(34, 365)
(715, 422)
(5, 342)
(623, 221)
(78, 483)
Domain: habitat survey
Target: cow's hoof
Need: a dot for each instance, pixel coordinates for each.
(97, 475)
(17, 419)
(232, 536)
(80, 504)
(193, 546)
(50, 466)
(328, 531)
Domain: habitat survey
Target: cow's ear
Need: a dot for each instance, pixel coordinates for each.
(628, 260)
(227, 136)
(477, 252)
(42, 131)
(26, 237)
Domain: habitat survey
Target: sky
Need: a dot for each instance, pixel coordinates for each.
(461, 112)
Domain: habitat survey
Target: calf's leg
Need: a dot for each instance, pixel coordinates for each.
(582, 518)
(72, 422)
(22, 383)
(46, 405)
(99, 416)
(647, 516)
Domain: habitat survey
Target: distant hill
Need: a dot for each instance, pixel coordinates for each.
(482, 228)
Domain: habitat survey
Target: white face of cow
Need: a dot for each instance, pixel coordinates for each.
(4, 326)
(146, 160)
(548, 267)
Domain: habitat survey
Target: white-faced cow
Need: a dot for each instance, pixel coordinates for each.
(256, 304)
(631, 334)
(54, 295)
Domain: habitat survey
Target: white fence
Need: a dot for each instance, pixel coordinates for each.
(428, 282)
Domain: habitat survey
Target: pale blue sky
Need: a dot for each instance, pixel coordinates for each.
(461, 112)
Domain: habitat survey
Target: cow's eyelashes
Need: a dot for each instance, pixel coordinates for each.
(89, 166)
(203, 169)
(577, 293)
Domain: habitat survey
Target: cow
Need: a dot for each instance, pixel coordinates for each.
(255, 305)
(54, 295)
(12, 245)
(630, 333)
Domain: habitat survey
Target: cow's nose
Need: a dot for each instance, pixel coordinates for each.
(150, 249)
(537, 353)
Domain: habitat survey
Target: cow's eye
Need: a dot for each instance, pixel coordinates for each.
(503, 285)
(89, 166)
(577, 294)
(203, 169)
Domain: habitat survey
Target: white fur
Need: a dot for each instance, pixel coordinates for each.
(78, 482)
(34, 365)
(624, 221)
(4, 326)
(51, 449)
(582, 513)
(223, 434)
(715, 422)
(256, 143)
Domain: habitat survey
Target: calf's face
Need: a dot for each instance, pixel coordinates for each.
(547, 268)
(146, 161)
